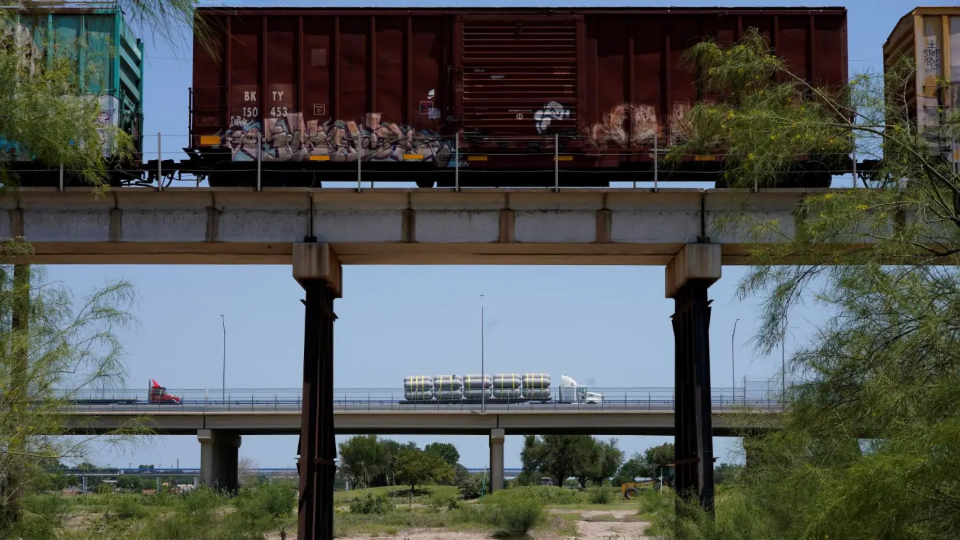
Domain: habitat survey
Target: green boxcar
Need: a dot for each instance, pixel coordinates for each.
(109, 56)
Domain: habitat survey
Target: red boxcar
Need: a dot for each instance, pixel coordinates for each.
(416, 94)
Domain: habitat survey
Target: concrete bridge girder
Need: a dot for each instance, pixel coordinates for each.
(386, 226)
(518, 422)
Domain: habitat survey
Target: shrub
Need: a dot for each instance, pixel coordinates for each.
(127, 508)
(473, 487)
(469, 513)
(199, 503)
(514, 516)
(453, 504)
(369, 503)
(600, 496)
(544, 494)
(438, 501)
(266, 500)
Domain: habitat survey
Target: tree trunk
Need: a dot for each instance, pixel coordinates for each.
(18, 358)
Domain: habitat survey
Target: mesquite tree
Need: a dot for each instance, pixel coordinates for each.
(869, 444)
(53, 349)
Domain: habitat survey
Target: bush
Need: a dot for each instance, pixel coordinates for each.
(600, 496)
(199, 503)
(266, 500)
(544, 494)
(369, 503)
(438, 501)
(127, 508)
(514, 516)
(473, 487)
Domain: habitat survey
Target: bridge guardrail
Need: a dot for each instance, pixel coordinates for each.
(379, 399)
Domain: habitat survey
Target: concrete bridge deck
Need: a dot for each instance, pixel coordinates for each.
(385, 226)
(386, 422)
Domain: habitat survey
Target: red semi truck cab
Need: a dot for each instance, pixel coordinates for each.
(158, 394)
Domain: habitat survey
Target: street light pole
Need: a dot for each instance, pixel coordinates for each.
(783, 368)
(733, 361)
(483, 373)
(223, 387)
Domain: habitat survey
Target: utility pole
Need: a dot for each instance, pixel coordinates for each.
(733, 362)
(223, 387)
(483, 373)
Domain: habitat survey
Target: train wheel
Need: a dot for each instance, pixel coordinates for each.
(424, 184)
(631, 493)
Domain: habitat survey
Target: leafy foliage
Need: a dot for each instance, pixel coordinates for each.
(415, 466)
(564, 456)
(473, 486)
(47, 115)
(369, 503)
(868, 447)
(514, 515)
(544, 494)
(445, 451)
(363, 457)
(609, 458)
(51, 342)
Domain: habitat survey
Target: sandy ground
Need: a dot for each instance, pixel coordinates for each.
(611, 530)
(586, 529)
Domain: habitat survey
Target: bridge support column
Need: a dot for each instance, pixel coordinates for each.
(688, 277)
(497, 437)
(219, 452)
(317, 269)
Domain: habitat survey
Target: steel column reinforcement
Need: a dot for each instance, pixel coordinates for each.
(693, 426)
(317, 446)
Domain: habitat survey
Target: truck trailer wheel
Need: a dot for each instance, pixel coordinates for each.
(631, 493)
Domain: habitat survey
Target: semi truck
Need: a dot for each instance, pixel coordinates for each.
(496, 388)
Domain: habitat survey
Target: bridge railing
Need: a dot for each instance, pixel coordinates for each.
(380, 399)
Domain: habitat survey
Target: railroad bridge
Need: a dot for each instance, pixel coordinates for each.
(317, 232)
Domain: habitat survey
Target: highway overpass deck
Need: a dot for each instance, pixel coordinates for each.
(620, 411)
(425, 422)
(387, 226)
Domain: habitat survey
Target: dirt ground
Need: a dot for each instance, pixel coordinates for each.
(594, 525)
(610, 530)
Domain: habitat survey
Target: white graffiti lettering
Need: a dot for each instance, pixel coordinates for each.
(551, 111)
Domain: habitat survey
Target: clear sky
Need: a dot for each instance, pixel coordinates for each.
(605, 326)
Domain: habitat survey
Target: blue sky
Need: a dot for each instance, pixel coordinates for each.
(608, 326)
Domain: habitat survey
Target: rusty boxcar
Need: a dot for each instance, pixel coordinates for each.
(479, 96)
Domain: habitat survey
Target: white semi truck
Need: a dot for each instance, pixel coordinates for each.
(495, 388)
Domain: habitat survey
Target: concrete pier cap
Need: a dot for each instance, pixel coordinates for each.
(317, 261)
(694, 261)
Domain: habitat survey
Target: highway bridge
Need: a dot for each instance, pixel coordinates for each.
(622, 411)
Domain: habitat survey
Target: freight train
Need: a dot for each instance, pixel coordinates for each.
(496, 388)
(109, 60)
(492, 97)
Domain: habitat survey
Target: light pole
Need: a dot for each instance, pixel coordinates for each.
(223, 387)
(483, 374)
(733, 361)
(783, 368)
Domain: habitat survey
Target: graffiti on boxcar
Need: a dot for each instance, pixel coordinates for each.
(550, 112)
(289, 138)
(635, 124)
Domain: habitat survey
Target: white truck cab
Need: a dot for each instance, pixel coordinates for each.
(571, 392)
